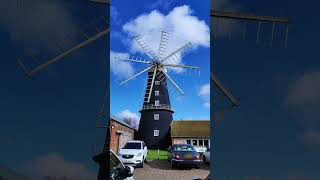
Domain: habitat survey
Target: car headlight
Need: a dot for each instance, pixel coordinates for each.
(119, 154)
(139, 154)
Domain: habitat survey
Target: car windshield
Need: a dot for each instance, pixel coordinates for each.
(183, 148)
(132, 145)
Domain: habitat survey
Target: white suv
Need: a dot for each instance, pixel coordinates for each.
(133, 153)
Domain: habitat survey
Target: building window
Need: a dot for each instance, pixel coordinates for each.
(156, 93)
(195, 142)
(156, 116)
(188, 141)
(206, 143)
(157, 82)
(201, 142)
(155, 132)
(156, 102)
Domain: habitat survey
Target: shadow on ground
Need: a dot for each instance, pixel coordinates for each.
(165, 165)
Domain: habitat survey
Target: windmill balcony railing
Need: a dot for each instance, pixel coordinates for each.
(160, 106)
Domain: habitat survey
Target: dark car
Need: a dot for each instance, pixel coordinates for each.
(183, 155)
(119, 171)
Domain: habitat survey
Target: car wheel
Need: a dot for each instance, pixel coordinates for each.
(204, 159)
(197, 166)
(141, 165)
(172, 164)
(145, 160)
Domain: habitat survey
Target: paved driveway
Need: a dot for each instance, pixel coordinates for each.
(160, 170)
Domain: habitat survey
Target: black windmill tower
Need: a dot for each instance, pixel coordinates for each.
(156, 112)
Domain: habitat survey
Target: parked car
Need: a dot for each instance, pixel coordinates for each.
(206, 156)
(118, 170)
(200, 149)
(134, 153)
(207, 178)
(183, 154)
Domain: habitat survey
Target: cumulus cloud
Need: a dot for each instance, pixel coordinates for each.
(224, 27)
(204, 93)
(180, 22)
(305, 90)
(130, 118)
(303, 97)
(54, 165)
(36, 24)
(119, 68)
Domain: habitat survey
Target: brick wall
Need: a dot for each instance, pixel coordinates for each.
(115, 137)
(179, 141)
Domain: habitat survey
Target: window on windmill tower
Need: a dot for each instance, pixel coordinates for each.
(156, 102)
(156, 93)
(156, 116)
(157, 82)
(155, 132)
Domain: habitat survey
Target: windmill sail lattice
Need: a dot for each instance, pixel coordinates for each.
(166, 59)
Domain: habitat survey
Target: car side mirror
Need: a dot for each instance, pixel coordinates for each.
(129, 171)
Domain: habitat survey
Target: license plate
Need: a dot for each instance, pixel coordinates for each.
(188, 156)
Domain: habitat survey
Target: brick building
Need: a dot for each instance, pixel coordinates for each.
(120, 133)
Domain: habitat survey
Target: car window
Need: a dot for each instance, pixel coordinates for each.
(115, 166)
(183, 148)
(132, 145)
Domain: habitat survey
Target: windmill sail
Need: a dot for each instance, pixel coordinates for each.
(168, 58)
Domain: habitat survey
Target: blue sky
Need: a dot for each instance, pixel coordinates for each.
(187, 20)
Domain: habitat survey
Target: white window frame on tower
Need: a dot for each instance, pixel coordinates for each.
(156, 132)
(157, 82)
(156, 103)
(156, 117)
(156, 93)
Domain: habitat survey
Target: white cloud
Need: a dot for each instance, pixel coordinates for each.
(204, 93)
(223, 27)
(130, 118)
(305, 90)
(303, 97)
(37, 24)
(179, 22)
(206, 104)
(119, 68)
(205, 90)
(54, 165)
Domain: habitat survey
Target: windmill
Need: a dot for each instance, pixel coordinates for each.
(156, 112)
